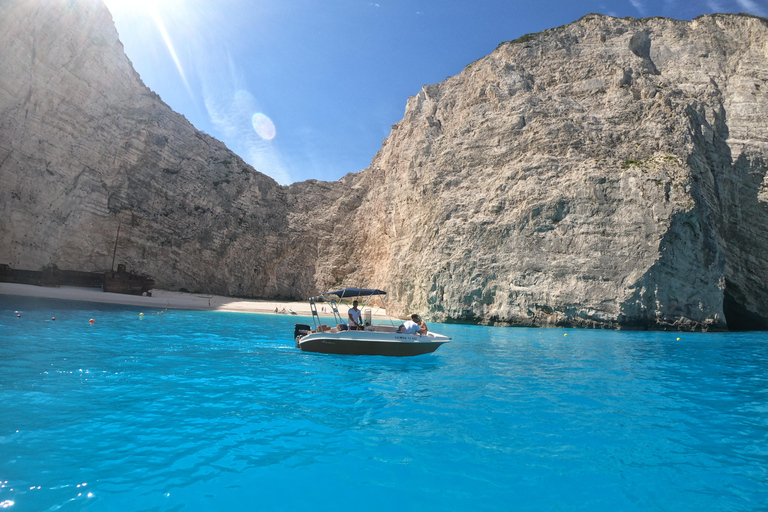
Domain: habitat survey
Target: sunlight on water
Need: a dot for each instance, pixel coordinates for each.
(207, 410)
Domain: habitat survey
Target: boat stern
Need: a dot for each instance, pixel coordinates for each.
(299, 331)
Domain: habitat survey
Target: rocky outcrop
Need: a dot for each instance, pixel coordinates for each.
(608, 173)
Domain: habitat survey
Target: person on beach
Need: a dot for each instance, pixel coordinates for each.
(354, 318)
(413, 326)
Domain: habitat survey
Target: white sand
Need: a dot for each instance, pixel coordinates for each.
(162, 299)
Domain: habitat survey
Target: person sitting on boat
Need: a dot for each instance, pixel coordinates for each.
(413, 326)
(354, 318)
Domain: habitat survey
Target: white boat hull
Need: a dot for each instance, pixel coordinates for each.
(371, 343)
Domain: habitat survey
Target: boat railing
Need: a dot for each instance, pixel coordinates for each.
(321, 327)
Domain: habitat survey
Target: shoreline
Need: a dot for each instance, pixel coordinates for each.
(172, 300)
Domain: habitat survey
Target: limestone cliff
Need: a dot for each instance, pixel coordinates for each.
(85, 146)
(611, 172)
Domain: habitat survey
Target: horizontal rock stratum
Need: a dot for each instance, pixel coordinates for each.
(606, 173)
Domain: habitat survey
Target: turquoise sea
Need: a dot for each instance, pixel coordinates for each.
(208, 411)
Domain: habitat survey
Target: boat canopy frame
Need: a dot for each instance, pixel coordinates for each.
(342, 293)
(355, 292)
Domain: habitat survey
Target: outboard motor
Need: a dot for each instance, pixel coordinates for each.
(299, 331)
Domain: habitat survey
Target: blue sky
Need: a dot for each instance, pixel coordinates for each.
(308, 89)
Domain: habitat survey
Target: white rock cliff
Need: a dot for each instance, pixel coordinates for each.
(607, 173)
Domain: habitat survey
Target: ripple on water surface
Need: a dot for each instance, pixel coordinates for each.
(208, 410)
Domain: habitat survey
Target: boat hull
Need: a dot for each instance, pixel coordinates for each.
(371, 344)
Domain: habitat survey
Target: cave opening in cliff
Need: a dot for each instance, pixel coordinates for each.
(737, 316)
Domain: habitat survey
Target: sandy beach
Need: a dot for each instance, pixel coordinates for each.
(162, 299)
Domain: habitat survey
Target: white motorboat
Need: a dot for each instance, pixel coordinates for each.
(382, 340)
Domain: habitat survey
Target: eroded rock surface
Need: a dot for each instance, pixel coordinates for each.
(607, 173)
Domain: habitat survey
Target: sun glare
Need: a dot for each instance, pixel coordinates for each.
(186, 31)
(137, 12)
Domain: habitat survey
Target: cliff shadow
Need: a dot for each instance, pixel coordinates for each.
(730, 189)
(683, 289)
(713, 259)
(743, 231)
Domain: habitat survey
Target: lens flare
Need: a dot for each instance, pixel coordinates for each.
(263, 126)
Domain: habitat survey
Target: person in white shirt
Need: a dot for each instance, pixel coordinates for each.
(354, 318)
(413, 326)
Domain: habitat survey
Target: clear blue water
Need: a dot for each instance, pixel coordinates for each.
(218, 411)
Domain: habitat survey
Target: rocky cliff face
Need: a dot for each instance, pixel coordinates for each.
(611, 172)
(606, 173)
(86, 147)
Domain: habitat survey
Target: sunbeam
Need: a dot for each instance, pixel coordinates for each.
(169, 44)
(152, 10)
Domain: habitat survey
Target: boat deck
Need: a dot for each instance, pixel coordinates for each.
(368, 328)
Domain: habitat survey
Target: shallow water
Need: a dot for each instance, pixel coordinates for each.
(193, 410)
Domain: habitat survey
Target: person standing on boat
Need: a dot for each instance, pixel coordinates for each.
(354, 315)
(413, 326)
